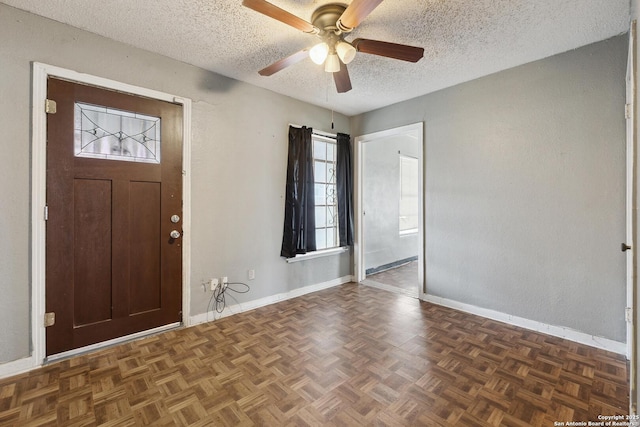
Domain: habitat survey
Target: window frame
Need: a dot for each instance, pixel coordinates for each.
(401, 158)
(330, 207)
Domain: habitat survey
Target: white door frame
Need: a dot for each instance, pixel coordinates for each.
(631, 211)
(41, 72)
(359, 238)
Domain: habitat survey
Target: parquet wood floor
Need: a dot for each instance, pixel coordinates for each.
(402, 279)
(346, 356)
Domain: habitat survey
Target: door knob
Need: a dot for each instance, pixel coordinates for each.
(175, 219)
(624, 247)
(174, 234)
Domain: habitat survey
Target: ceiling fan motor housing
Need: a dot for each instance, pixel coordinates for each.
(326, 17)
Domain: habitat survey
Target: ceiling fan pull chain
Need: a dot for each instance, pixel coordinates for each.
(332, 118)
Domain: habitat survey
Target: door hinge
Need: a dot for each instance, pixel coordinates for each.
(49, 319)
(628, 314)
(46, 213)
(50, 106)
(628, 110)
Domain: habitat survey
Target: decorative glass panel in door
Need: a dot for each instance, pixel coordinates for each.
(111, 134)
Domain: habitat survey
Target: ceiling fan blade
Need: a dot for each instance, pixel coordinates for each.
(356, 12)
(390, 50)
(278, 14)
(284, 63)
(342, 80)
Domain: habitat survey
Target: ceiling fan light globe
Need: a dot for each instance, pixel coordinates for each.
(319, 53)
(332, 64)
(346, 52)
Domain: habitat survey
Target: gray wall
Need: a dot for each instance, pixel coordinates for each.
(239, 152)
(381, 177)
(525, 188)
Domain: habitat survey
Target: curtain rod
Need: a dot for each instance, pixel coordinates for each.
(317, 132)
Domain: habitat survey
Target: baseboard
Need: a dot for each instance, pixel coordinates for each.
(557, 331)
(17, 367)
(261, 302)
(390, 265)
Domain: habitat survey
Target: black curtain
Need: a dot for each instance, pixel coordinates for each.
(344, 182)
(299, 235)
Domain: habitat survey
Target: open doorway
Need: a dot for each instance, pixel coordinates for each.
(389, 210)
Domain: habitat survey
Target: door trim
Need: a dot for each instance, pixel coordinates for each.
(631, 217)
(359, 142)
(40, 74)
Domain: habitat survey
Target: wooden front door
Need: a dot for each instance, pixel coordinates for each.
(114, 200)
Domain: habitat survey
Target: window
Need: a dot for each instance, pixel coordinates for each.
(408, 217)
(326, 196)
(318, 212)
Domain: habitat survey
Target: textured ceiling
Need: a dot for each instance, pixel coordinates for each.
(463, 39)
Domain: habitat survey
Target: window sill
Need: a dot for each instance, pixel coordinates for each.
(318, 254)
(408, 232)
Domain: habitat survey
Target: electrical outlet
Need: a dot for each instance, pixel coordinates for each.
(251, 274)
(213, 283)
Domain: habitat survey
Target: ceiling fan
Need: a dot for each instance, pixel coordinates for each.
(331, 22)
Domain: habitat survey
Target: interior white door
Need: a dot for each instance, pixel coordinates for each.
(631, 227)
